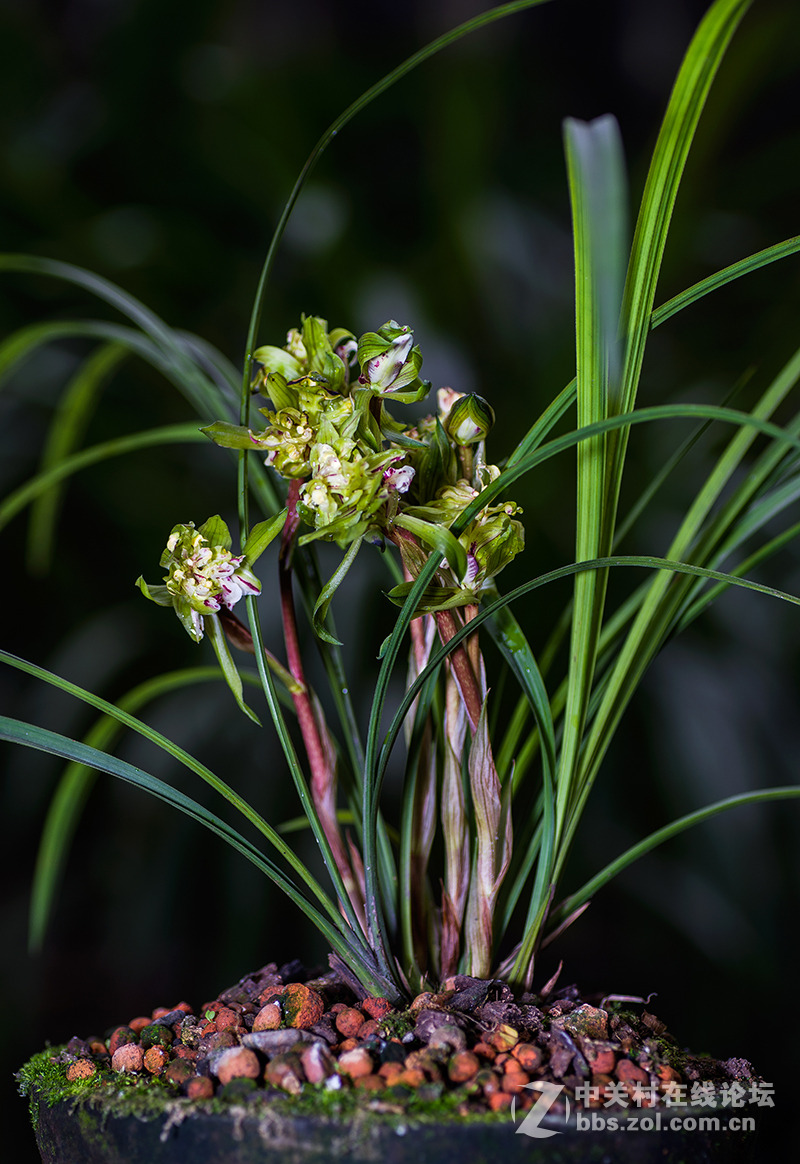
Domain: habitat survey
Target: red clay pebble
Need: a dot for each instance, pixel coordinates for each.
(349, 1022)
(376, 1008)
(528, 1056)
(155, 1059)
(462, 1066)
(600, 1056)
(199, 1087)
(138, 1024)
(499, 1101)
(129, 1057)
(302, 1006)
(667, 1074)
(178, 1071)
(410, 1077)
(120, 1037)
(629, 1072)
(237, 1063)
(370, 1082)
(284, 1071)
(347, 1045)
(485, 1051)
(368, 1030)
(317, 1062)
(269, 1018)
(391, 1070)
(181, 1051)
(226, 1018)
(81, 1069)
(160, 1011)
(356, 1062)
(513, 1082)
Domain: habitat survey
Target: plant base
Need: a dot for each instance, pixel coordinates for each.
(265, 1133)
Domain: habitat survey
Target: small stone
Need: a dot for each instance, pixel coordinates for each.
(513, 1082)
(448, 1037)
(369, 1082)
(369, 1030)
(81, 1069)
(356, 1062)
(504, 1038)
(463, 1066)
(349, 1022)
(629, 1072)
(486, 1081)
(138, 1024)
(178, 1071)
(227, 1018)
(269, 1018)
(348, 1045)
(155, 1034)
(236, 1063)
(410, 1077)
(483, 1049)
(302, 1006)
(317, 1062)
(391, 1070)
(528, 1055)
(376, 1008)
(667, 1074)
(499, 1101)
(587, 1021)
(120, 1037)
(155, 1059)
(600, 1056)
(181, 1051)
(275, 1042)
(128, 1058)
(422, 1000)
(218, 1041)
(284, 1071)
(199, 1087)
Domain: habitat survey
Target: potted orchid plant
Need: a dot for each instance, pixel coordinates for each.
(435, 910)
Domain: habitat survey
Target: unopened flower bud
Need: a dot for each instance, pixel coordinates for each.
(469, 420)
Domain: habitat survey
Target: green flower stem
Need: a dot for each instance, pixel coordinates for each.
(321, 756)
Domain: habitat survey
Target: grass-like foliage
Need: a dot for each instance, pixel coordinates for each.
(468, 877)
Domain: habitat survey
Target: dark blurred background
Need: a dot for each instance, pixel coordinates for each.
(155, 142)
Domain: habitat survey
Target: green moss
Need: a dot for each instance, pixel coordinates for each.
(43, 1077)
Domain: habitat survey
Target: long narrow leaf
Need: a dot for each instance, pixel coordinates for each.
(57, 745)
(170, 434)
(587, 891)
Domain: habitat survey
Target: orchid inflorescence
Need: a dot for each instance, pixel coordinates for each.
(355, 473)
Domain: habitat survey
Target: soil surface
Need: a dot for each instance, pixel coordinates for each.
(474, 1045)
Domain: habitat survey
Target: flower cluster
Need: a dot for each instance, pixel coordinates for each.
(202, 575)
(357, 470)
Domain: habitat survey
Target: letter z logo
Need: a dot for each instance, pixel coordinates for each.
(532, 1124)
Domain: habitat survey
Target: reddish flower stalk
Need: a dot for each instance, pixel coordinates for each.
(320, 752)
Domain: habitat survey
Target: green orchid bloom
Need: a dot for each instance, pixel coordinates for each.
(202, 575)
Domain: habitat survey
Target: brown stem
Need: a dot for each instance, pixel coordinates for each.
(321, 759)
(461, 665)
